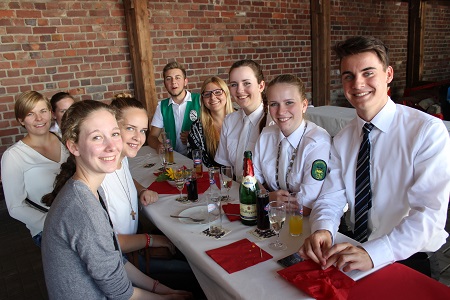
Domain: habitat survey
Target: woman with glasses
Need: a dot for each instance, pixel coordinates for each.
(205, 132)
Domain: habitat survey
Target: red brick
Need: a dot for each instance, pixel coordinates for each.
(28, 14)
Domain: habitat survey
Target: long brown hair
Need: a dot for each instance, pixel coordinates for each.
(257, 70)
(212, 137)
(71, 123)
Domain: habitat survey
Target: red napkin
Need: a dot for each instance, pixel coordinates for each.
(163, 187)
(320, 284)
(233, 209)
(238, 255)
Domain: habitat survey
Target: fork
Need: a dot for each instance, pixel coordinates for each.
(193, 219)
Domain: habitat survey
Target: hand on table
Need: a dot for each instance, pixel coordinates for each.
(315, 246)
(280, 196)
(148, 197)
(348, 257)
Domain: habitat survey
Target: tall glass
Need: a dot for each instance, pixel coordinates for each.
(163, 158)
(226, 175)
(277, 216)
(215, 215)
(295, 214)
(262, 217)
(198, 163)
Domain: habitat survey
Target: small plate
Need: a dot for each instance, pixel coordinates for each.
(196, 212)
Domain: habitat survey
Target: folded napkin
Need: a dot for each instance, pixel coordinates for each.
(238, 255)
(320, 284)
(234, 210)
(163, 187)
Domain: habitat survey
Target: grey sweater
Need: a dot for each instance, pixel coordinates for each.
(78, 253)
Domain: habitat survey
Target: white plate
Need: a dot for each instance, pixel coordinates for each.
(196, 212)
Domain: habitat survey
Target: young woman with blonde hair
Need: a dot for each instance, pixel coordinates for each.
(205, 133)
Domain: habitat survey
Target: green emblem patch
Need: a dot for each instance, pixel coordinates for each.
(319, 170)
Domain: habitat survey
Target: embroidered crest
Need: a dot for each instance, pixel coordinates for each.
(319, 170)
(193, 115)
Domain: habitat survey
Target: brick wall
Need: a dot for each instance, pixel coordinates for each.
(81, 46)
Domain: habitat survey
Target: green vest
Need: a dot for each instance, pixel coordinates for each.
(191, 114)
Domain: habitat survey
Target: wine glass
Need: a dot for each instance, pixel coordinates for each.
(162, 156)
(180, 180)
(226, 174)
(277, 216)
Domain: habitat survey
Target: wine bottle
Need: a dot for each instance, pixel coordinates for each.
(247, 192)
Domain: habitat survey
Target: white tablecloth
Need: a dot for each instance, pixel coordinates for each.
(334, 118)
(257, 282)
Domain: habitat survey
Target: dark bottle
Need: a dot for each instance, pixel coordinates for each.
(247, 192)
(191, 187)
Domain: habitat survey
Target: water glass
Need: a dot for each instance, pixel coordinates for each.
(215, 215)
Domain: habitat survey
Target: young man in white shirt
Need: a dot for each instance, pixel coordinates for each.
(409, 173)
(177, 113)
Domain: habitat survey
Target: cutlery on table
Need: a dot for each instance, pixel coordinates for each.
(193, 219)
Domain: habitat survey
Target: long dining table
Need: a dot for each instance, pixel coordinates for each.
(260, 281)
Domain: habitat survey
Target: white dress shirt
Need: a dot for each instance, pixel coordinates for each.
(410, 178)
(119, 193)
(315, 145)
(178, 114)
(229, 136)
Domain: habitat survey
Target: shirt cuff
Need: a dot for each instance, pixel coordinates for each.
(324, 225)
(379, 251)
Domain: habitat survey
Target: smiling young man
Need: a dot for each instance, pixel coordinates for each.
(396, 183)
(176, 113)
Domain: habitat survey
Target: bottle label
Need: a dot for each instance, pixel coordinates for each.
(197, 161)
(248, 212)
(249, 181)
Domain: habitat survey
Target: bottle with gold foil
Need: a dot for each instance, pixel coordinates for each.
(247, 192)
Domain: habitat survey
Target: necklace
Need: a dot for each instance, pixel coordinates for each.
(291, 161)
(127, 192)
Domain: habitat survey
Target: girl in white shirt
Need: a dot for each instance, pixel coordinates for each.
(29, 166)
(299, 163)
(241, 129)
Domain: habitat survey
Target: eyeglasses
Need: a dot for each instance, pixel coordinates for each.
(216, 92)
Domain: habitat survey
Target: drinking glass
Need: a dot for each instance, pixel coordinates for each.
(180, 180)
(295, 213)
(226, 174)
(215, 215)
(198, 163)
(277, 216)
(162, 156)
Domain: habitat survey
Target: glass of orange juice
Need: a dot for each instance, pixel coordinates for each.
(295, 214)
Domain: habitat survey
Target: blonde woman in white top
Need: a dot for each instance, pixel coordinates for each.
(291, 156)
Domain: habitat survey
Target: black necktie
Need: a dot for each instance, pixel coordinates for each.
(363, 193)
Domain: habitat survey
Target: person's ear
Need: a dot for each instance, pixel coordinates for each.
(21, 122)
(390, 74)
(262, 85)
(72, 147)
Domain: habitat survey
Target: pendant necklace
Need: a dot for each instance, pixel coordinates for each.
(291, 161)
(127, 192)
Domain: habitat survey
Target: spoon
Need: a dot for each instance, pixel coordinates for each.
(193, 219)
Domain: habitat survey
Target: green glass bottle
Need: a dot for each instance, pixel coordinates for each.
(247, 192)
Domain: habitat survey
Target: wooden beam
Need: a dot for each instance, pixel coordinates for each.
(320, 52)
(137, 22)
(414, 66)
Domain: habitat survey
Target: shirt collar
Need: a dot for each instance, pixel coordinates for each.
(254, 116)
(294, 138)
(186, 98)
(383, 119)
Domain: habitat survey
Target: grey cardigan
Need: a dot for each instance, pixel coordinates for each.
(79, 257)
